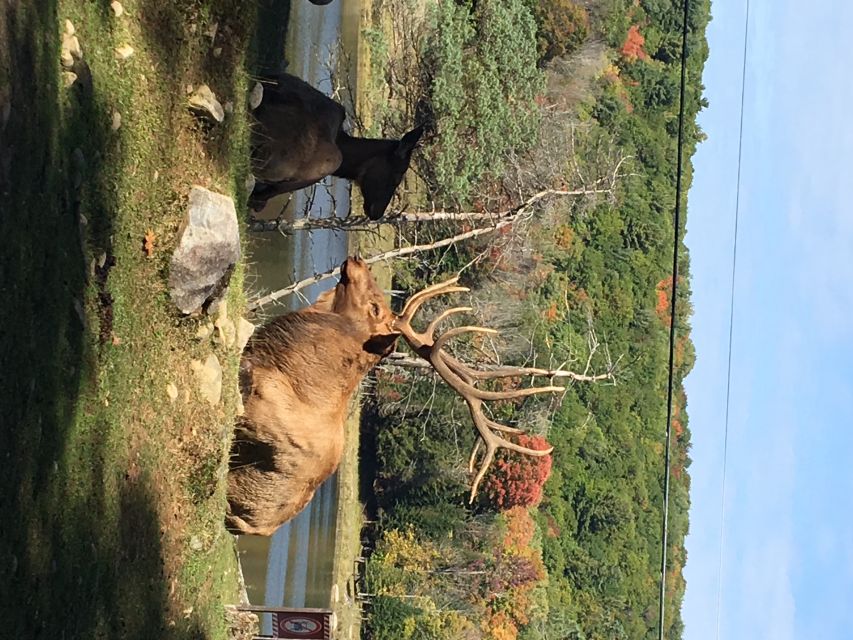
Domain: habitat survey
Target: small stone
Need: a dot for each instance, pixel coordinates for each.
(195, 545)
(116, 121)
(227, 332)
(209, 378)
(156, 175)
(118, 10)
(71, 44)
(66, 59)
(172, 391)
(245, 329)
(68, 78)
(256, 96)
(205, 331)
(69, 28)
(203, 103)
(102, 259)
(217, 52)
(250, 183)
(123, 52)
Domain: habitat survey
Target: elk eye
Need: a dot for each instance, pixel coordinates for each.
(374, 309)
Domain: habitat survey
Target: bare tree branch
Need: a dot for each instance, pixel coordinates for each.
(500, 221)
(403, 217)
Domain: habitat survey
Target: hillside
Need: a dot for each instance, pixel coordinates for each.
(582, 281)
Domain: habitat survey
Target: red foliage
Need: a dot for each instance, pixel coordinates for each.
(516, 479)
(632, 48)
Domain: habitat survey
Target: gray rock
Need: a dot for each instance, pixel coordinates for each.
(256, 96)
(207, 251)
(203, 103)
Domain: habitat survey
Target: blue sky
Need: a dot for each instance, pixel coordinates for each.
(787, 567)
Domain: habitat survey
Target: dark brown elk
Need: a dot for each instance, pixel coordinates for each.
(298, 374)
(298, 140)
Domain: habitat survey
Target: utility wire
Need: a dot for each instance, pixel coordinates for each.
(672, 319)
(731, 326)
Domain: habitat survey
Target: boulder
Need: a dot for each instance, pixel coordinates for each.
(207, 251)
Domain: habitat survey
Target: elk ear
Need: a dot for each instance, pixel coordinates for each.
(409, 141)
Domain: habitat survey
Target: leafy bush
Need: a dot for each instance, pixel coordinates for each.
(563, 26)
(516, 480)
(483, 84)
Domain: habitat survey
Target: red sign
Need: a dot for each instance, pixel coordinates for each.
(302, 625)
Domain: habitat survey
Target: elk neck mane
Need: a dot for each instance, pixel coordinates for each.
(279, 350)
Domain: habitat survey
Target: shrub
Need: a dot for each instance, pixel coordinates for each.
(484, 80)
(516, 479)
(562, 27)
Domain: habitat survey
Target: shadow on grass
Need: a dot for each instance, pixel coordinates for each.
(80, 552)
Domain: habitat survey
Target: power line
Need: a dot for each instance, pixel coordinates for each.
(731, 324)
(670, 381)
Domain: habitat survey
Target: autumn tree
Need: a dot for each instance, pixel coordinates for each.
(516, 480)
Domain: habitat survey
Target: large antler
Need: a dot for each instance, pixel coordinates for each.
(463, 379)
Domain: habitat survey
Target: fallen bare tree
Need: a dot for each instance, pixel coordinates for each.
(496, 223)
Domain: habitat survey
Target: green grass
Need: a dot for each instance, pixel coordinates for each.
(112, 494)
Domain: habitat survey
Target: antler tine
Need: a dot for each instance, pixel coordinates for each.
(462, 378)
(430, 330)
(414, 303)
(468, 386)
(492, 442)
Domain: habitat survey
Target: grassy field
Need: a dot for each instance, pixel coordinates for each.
(112, 493)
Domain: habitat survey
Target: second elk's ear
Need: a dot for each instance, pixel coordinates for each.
(409, 142)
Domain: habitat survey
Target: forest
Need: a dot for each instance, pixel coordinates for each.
(569, 114)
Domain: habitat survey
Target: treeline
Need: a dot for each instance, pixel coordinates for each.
(566, 546)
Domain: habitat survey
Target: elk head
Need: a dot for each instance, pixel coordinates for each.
(464, 379)
(380, 176)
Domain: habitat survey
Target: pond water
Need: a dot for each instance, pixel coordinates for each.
(294, 566)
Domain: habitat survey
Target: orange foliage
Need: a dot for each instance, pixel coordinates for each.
(516, 479)
(564, 236)
(632, 48)
(500, 626)
(519, 529)
(550, 313)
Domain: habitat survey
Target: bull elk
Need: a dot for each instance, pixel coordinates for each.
(298, 140)
(298, 374)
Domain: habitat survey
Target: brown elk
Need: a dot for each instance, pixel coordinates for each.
(298, 374)
(298, 140)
